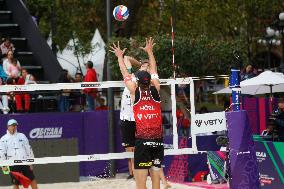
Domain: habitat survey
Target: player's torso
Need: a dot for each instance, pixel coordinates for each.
(148, 118)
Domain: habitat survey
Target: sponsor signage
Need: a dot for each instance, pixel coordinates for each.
(270, 158)
(210, 122)
(49, 132)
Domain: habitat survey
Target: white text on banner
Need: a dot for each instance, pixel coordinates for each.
(209, 122)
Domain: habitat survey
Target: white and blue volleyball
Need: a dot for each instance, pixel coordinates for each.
(120, 13)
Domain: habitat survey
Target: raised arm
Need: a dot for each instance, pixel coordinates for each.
(152, 62)
(132, 61)
(126, 76)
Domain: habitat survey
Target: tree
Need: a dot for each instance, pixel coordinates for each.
(213, 28)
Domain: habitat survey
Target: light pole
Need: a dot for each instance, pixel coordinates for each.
(269, 41)
(280, 27)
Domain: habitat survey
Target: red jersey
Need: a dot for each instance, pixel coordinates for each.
(147, 115)
(91, 76)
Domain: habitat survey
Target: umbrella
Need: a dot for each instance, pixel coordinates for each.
(266, 82)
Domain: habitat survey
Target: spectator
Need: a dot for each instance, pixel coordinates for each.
(8, 61)
(248, 73)
(15, 145)
(14, 69)
(63, 102)
(11, 95)
(91, 93)
(7, 46)
(77, 96)
(25, 79)
(270, 129)
(102, 106)
(4, 103)
(278, 117)
(3, 75)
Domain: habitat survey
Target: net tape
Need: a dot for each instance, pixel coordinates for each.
(82, 85)
(92, 157)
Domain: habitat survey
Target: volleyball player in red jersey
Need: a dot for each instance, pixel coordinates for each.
(149, 149)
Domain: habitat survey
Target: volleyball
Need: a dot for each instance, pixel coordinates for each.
(120, 13)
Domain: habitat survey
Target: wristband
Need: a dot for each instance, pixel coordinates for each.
(154, 76)
(127, 78)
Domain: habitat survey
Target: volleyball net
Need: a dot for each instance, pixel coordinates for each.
(170, 84)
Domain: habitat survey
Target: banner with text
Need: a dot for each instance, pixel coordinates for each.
(210, 122)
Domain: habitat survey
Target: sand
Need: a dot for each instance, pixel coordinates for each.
(120, 183)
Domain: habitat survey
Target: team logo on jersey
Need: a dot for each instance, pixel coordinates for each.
(139, 116)
(157, 162)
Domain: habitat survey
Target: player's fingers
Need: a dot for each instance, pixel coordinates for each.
(118, 45)
(114, 45)
(124, 50)
(112, 48)
(154, 44)
(111, 51)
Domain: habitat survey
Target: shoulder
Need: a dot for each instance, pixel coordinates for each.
(3, 137)
(21, 135)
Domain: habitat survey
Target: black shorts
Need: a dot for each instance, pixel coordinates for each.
(148, 153)
(127, 133)
(23, 169)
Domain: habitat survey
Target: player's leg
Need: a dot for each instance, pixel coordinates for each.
(15, 186)
(130, 163)
(157, 153)
(163, 179)
(34, 184)
(128, 141)
(141, 178)
(155, 177)
(142, 163)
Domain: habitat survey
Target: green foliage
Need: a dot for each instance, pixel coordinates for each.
(193, 57)
(207, 31)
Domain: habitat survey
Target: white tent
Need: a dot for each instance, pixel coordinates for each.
(266, 82)
(69, 61)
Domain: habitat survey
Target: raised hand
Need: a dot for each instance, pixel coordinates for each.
(149, 45)
(116, 50)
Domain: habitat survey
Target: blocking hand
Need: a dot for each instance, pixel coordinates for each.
(149, 45)
(116, 50)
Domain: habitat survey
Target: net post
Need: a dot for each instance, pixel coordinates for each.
(112, 167)
(192, 111)
(173, 98)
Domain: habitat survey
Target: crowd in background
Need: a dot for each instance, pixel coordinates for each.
(12, 73)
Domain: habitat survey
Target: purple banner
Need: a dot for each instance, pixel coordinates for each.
(90, 128)
(243, 165)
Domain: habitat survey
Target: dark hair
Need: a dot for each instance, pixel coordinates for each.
(90, 64)
(143, 78)
(79, 73)
(63, 78)
(280, 100)
(10, 81)
(145, 61)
